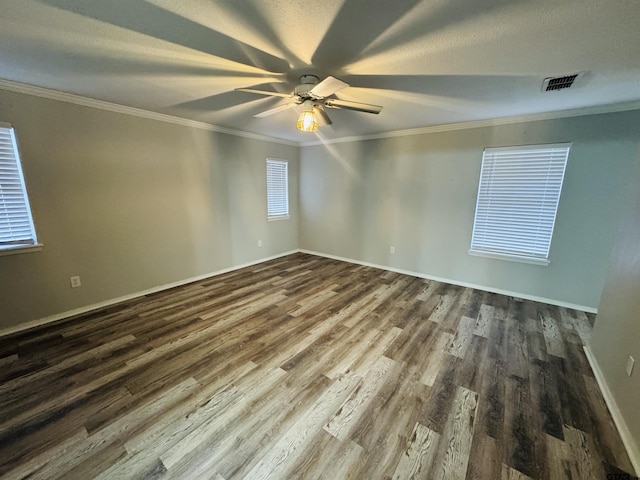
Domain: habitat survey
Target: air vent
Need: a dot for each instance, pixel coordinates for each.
(559, 83)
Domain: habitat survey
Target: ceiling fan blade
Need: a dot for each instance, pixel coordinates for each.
(323, 118)
(265, 92)
(277, 109)
(327, 87)
(355, 106)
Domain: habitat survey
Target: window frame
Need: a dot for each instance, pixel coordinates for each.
(12, 160)
(504, 236)
(282, 192)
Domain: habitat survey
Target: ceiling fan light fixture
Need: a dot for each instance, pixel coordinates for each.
(315, 98)
(307, 121)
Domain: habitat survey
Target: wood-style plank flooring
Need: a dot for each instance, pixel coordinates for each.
(306, 367)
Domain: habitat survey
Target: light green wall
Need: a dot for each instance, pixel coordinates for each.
(417, 193)
(616, 334)
(130, 204)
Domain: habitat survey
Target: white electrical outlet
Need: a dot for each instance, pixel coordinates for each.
(392, 250)
(259, 243)
(75, 281)
(630, 363)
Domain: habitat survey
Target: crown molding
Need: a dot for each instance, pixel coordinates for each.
(136, 112)
(533, 117)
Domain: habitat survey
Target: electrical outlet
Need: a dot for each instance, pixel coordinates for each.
(392, 250)
(75, 282)
(259, 243)
(630, 363)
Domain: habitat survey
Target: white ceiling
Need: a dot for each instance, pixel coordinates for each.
(427, 63)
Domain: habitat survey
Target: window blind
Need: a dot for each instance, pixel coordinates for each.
(517, 201)
(277, 189)
(16, 224)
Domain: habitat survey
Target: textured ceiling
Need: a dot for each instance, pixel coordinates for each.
(426, 62)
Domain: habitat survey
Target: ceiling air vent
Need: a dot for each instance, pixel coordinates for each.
(559, 83)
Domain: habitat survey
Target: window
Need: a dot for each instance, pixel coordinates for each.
(277, 190)
(517, 202)
(16, 224)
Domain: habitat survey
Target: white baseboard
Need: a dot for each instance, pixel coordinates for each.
(630, 444)
(114, 301)
(484, 288)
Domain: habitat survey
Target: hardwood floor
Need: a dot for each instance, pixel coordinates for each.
(305, 367)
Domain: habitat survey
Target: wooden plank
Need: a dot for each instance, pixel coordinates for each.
(560, 462)
(437, 357)
(442, 395)
(98, 441)
(491, 408)
(584, 456)
(427, 291)
(552, 336)
(544, 392)
(384, 429)
(575, 410)
(454, 448)
(381, 296)
(8, 360)
(509, 473)
(328, 457)
(340, 423)
(442, 309)
(483, 323)
(462, 298)
(536, 347)
(462, 339)
(67, 363)
(419, 457)
(46, 464)
(485, 458)
(517, 361)
(212, 423)
(373, 352)
(98, 463)
(363, 343)
(520, 436)
(343, 464)
(308, 303)
(233, 452)
(276, 462)
(497, 335)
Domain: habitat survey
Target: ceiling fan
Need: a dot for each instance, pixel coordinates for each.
(315, 96)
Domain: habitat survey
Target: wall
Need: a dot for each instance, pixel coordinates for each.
(617, 329)
(130, 204)
(417, 193)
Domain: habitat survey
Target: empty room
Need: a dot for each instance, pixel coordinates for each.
(344, 239)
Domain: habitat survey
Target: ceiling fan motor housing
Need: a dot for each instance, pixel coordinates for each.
(309, 79)
(307, 82)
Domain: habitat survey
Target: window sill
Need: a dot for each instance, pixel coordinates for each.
(277, 217)
(513, 258)
(19, 249)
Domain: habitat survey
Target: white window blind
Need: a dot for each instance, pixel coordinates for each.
(16, 224)
(517, 201)
(277, 189)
